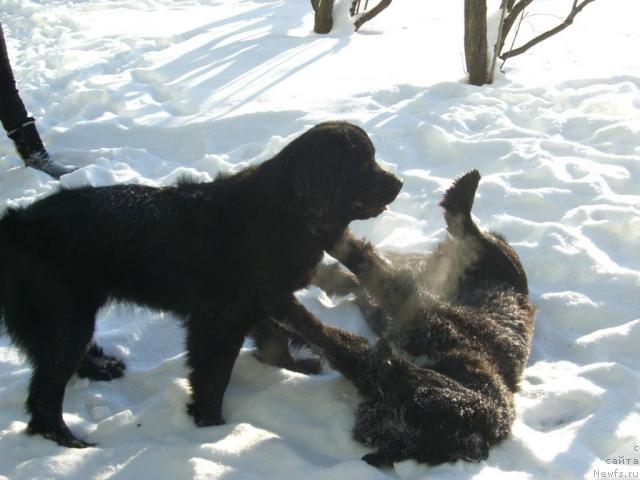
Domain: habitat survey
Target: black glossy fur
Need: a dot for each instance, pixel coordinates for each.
(455, 328)
(206, 252)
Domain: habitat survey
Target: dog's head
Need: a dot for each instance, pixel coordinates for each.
(444, 422)
(334, 176)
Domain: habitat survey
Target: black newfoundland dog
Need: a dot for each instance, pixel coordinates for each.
(211, 253)
(455, 328)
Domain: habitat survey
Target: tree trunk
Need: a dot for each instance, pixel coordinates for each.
(475, 40)
(324, 15)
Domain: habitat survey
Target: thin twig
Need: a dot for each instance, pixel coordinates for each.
(568, 21)
(496, 48)
(509, 5)
(511, 19)
(355, 8)
(515, 36)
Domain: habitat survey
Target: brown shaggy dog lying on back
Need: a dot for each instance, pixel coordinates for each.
(455, 328)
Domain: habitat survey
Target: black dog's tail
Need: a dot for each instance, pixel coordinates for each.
(457, 203)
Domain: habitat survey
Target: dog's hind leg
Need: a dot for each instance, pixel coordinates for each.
(95, 365)
(495, 260)
(457, 203)
(52, 326)
(55, 359)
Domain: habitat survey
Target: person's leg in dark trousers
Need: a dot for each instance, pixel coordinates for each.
(19, 126)
(12, 111)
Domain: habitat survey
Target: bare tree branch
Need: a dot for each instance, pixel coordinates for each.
(366, 16)
(513, 41)
(509, 5)
(496, 49)
(355, 8)
(515, 10)
(577, 8)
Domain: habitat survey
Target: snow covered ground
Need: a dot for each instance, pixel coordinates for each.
(144, 91)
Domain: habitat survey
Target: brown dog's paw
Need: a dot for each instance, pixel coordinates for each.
(308, 366)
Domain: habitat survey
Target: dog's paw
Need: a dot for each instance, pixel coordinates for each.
(101, 368)
(62, 435)
(308, 366)
(204, 417)
(475, 448)
(377, 459)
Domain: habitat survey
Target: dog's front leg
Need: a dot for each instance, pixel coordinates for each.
(348, 353)
(212, 348)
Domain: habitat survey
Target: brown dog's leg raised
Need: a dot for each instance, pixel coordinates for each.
(348, 353)
(389, 288)
(361, 259)
(334, 280)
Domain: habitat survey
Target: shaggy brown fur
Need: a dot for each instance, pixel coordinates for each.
(455, 327)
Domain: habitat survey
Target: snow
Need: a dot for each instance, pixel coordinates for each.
(145, 91)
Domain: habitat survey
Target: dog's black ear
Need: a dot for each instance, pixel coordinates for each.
(320, 166)
(315, 183)
(315, 164)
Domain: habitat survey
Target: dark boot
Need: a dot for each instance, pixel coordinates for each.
(32, 151)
